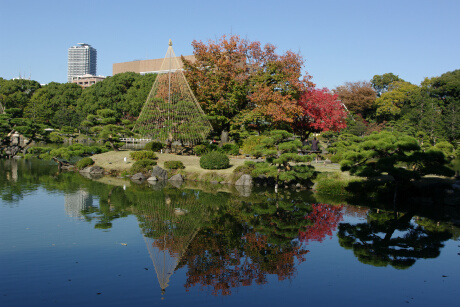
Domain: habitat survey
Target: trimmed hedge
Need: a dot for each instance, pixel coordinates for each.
(174, 165)
(214, 160)
(84, 163)
(142, 166)
(154, 146)
(143, 155)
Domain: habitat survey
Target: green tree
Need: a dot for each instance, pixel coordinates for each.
(53, 103)
(283, 160)
(389, 104)
(447, 89)
(17, 93)
(108, 94)
(381, 83)
(394, 154)
(12, 121)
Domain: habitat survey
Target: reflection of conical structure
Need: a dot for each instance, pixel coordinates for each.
(171, 111)
(169, 225)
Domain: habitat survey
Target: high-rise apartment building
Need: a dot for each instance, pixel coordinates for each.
(82, 60)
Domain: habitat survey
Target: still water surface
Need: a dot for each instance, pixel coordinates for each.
(68, 240)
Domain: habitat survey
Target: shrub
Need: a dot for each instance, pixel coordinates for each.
(200, 149)
(54, 137)
(84, 163)
(231, 149)
(142, 166)
(174, 164)
(251, 143)
(143, 155)
(214, 160)
(247, 168)
(154, 146)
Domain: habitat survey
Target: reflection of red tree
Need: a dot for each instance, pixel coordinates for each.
(212, 263)
(324, 220)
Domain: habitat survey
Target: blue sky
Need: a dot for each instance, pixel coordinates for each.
(340, 40)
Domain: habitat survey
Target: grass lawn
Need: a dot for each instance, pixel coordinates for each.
(114, 160)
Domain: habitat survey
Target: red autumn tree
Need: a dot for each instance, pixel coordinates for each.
(321, 111)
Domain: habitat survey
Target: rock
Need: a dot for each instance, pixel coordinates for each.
(160, 173)
(177, 177)
(214, 182)
(138, 176)
(298, 185)
(93, 170)
(153, 178)
(245, 180)
(327, 161)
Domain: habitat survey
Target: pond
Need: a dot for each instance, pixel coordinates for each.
(70, 240)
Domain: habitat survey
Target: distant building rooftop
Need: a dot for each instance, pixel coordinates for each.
(87, 80)
(145, 66)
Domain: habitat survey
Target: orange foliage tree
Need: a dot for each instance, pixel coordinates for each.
(239, 82)
(358, 97)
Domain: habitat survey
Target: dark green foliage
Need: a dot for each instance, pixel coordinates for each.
(281, 153)
(174, 164)
(231, 149)
(251, 143)
(87, 161)
(214, 160)
(142, 155)
(142, 166)
(200, 149)
(247, 168)
(395, 154)
(154, 146)
(76, 150)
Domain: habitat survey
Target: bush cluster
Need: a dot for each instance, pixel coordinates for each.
(231, 149)
(174, 165)
(143, 155)
(250, 144)
(154, 146)
(214, 160)
(247, 168)
(142, 166)
(200, 150)
(84, 163)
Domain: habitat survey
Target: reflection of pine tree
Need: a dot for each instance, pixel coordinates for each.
(375, 242)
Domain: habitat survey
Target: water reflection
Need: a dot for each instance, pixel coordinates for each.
(227, 240)
(395, 238)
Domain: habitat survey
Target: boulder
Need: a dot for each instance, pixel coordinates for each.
(245, 180)
(177, 177)
(93, 170)
(160, 173)
(138, 176)
(152, 178)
